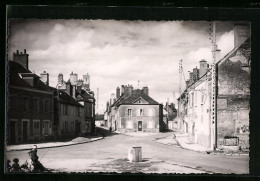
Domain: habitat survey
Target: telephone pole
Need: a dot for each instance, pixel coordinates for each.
(213, 86)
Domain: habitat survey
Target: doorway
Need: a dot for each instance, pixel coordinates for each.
(25, 132)
(12, 134)
(140, 126)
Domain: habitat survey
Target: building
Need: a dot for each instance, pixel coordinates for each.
(134, 110)
(232, 94)
(68, 116)
(171, 114)
(100, 121)
(29, 102)
(80, 91)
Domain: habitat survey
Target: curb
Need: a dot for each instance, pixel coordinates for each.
(24, 149)
(195, 168)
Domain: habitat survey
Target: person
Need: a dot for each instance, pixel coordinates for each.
(33, 154)
(110, 130)
(15, 166)
(8, 166)
(37, 166)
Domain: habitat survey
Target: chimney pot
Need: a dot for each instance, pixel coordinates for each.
(24, 51)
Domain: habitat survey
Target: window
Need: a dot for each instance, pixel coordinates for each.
(25, 104)
(129, 112)
(36, 127)
(66, 127)
(72, 126)
(65, 109)
(46, 105)
(78, 111)
(195, 98)
(36, 104)
(141, 113)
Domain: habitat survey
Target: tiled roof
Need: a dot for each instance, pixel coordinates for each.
(137, 93)
(14, 79)
(83, 95)
(65, 97)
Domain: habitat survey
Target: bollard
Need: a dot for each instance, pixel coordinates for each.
(137, 154)
(130, 155)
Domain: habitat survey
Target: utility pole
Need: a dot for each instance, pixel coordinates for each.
(213, 86)
(180, 75)
(97, 97)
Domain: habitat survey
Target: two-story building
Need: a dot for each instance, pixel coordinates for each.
(232, 98)
(80, 91)
(29, 103)
(135, 111)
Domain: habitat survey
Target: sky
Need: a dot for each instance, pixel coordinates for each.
(116, 53)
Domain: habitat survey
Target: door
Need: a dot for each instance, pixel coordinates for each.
(46, 128)
(25, 137)
(12, 132)
(139, 125)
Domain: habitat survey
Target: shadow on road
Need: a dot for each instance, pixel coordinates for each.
(105, 132)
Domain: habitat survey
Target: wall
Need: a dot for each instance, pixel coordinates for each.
(17, 112)
(233, 97)
(150, 119)
(71, 118)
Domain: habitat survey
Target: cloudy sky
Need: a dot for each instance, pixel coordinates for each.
(117, 53)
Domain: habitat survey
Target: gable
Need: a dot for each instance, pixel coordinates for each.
(140, 100)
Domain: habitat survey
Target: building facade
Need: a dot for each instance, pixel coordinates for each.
(29, 103)
(80, 90)
(232, 94)
(135, 111)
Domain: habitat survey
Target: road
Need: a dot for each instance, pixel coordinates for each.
(110, 155)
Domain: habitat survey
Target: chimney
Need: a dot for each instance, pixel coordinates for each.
(203, 67)
(145, 90)
(107, 105)
(68, 88)
(112, 98)
(241, 33)
(128, 90)
(60, 78)
(73, 78)
(45, 77)
(22, 59)
(86, 82)
(191, 78)
(122, 89)
(117, 93)
(196, 74)
(74, 91)
(79, 85)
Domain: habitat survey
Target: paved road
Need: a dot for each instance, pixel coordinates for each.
(110, 153)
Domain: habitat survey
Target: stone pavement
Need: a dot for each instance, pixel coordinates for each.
(78, 140)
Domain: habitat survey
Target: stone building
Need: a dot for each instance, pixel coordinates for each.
(80, 90)
(29, 104)
(232, 94)
(134, 110)
(68, 116)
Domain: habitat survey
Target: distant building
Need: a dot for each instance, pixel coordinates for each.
(99, 120)
(30, 104)
(134, 110)
(232, 94)
(171, 114)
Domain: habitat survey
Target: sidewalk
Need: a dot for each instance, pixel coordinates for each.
(78, 140)
(182, 139)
